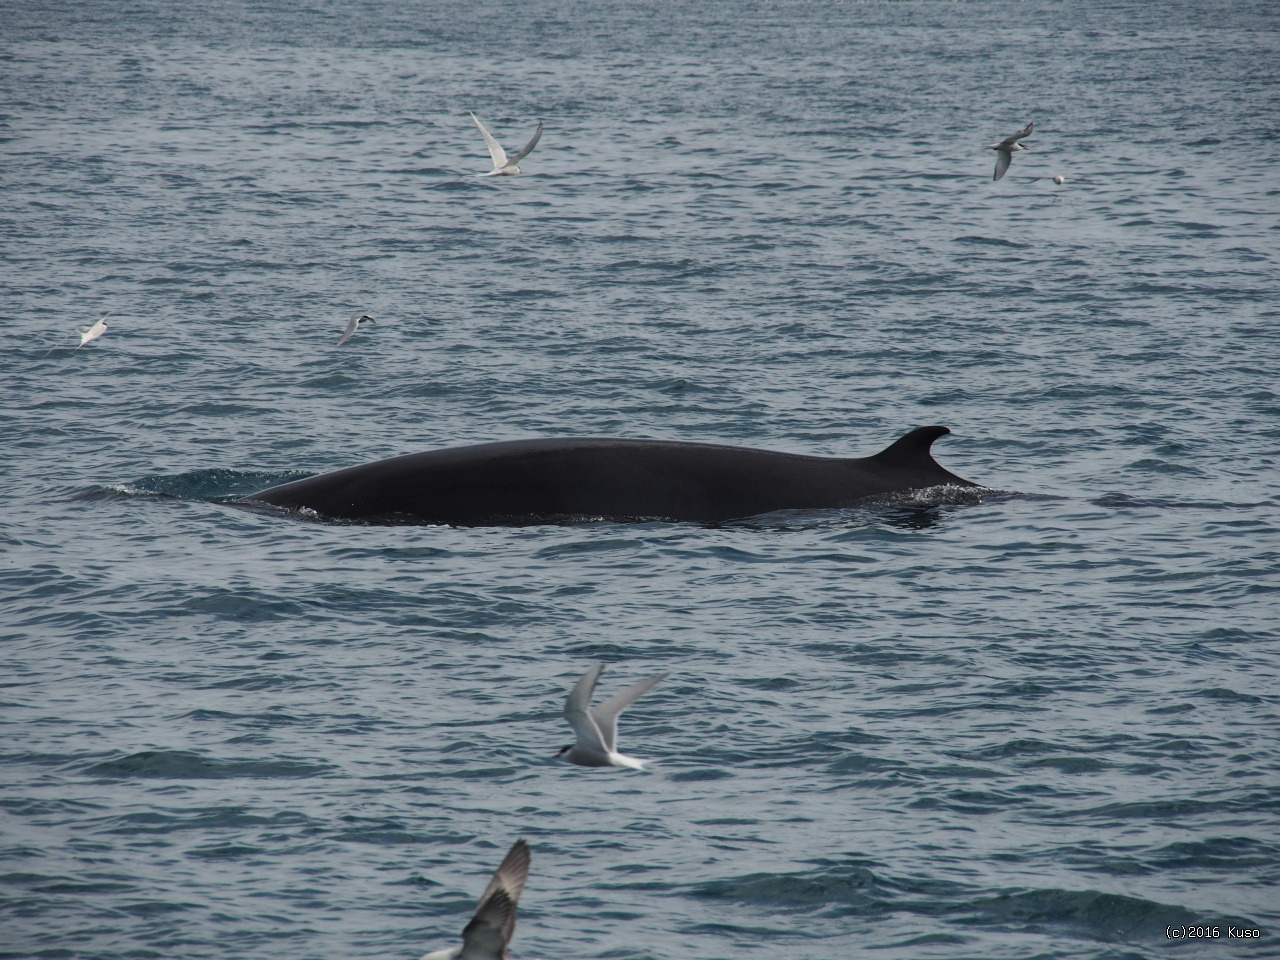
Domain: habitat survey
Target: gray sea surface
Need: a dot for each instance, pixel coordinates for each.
(1041, 722)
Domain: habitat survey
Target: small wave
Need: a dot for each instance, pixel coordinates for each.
(111, 491)
(1123, 501)
(700, 775)
(253, 719)
(224, 851)
(203, 821)
(789, 891)
(1092, 914)
(1227, 695)
(214, 486)
(184, 765)
(908, 510)
(989, 242)
(1106, 917)
(1158, 811)
(1165, 467)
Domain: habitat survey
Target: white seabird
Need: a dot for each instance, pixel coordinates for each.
(501, 165)
(490, 930)
(352, 325)
(90, 334)
(1004, 150)
(87, 335)
(597, 728)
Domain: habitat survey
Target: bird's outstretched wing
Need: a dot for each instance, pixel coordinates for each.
(354, 324)
(528, 147)
(495, 148)
(1002, 163)
(508, 880)
(482, 938)
(1008, 142)
(577, 710)
(606, 714)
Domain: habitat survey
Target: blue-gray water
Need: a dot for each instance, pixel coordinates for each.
(1041, 725)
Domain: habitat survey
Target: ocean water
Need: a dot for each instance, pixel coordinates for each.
(1042, 722)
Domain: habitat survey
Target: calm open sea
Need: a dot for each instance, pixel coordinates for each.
(1045, 724)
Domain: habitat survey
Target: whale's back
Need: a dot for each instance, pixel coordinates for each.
(542, 480)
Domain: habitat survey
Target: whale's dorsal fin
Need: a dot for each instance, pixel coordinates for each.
(912, 449)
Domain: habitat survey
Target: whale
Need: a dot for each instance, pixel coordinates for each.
(574, 480)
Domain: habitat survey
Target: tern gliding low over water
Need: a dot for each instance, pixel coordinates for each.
(501, 165)
(597, 727)
(87, 335)
(353, 324)
(1004, 150)
(490, 930)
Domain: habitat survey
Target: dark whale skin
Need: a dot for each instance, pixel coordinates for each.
(567, 480)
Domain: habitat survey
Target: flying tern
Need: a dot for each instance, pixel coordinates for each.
(501, 165)
(87, 335)
(1004, 150)
(597, 727)
(90, 334)
(352, 325)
